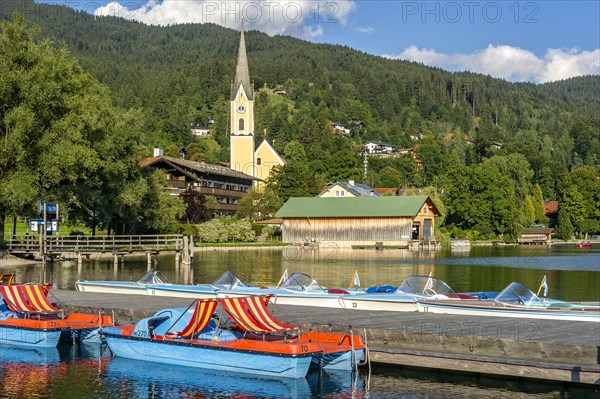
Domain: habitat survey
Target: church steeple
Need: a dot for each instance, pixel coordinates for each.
(242, 72)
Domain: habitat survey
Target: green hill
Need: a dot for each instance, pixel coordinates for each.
(179, 75)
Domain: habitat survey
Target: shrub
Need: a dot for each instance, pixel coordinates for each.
(213, 231)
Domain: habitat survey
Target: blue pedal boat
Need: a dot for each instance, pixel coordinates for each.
(255, 343)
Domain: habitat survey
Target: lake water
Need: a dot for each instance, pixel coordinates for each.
(88, 372)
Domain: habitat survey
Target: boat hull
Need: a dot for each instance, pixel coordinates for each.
(29, 337)
(213, 358)
(344, 361)
(182, 292)
(338, 351)
(283, 297)
(377, 304)
(527, 313)
(111, 288)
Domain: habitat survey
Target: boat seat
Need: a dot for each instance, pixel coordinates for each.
(337, 291)
(486, 295)
(380, 289)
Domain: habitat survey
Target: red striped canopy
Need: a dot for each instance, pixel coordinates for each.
(251, 314)
(203, 312)
(27, 298)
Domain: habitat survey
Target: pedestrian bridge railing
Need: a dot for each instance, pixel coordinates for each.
(130, 243)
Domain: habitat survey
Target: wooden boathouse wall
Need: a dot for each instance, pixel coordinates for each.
(350, 231)
(366, 221)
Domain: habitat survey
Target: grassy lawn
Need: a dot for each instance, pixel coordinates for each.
(64, 230)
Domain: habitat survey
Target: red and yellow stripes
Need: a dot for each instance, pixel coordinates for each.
(27, 298)
(258, 308)
(251, 314)
(237, 309)
(14, 299)
(203, 312)
(37, 297)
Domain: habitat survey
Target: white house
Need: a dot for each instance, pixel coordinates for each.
(200, 131)
(379, 148)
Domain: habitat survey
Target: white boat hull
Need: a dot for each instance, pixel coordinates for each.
(180, 294)
(311, 300)
(432, 307)
(374, 304)
(111, 289)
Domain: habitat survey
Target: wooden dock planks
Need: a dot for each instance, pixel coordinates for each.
(528, 348)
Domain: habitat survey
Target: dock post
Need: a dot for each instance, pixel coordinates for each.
(148, 260)
(177, 255)
(191, 248)
(186, 251)
(79, 260)
(116, 262)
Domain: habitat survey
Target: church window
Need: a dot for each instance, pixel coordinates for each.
(241, 124)
(258, 161)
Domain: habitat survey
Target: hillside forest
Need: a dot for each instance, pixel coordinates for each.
(83, 99)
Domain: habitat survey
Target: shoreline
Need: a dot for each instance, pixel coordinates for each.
(7, 260)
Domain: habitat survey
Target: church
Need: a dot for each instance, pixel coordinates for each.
(244, 157)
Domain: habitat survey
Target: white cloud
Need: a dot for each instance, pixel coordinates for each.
(511, 63)
(302, 18)
(368, 29)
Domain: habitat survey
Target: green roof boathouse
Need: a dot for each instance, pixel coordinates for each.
(361, 222)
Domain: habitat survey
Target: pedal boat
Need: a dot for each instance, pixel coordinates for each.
(516, 300)
(28, 318)
(150, 279)
(255, 342)
(403, 298)
(299, 289)
(225, 281)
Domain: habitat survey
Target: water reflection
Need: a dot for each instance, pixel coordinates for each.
(28, 372)
(89, 372)
(573, 275)
(142, 380)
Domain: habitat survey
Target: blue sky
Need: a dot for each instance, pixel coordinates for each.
(536, 41)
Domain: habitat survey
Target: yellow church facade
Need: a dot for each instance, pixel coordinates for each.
(244, 157)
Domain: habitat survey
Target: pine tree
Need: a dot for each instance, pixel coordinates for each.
(538, 204)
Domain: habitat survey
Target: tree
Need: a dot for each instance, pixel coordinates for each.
(572, 203)
(480, 197)
(528, 212)
(197, 208)
(565, 227)
(517, 168)
(390, 177)
(588, 226)
(259, 204)
(538, 204)
(65, 141)
(344, 166)
(292, 179)
(205, 150)
(434, 162)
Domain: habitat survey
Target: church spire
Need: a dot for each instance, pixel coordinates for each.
(242, 72)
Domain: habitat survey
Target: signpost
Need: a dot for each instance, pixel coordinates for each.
(45, 225)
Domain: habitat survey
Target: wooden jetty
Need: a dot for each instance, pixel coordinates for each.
(82, 247)
(513, 348)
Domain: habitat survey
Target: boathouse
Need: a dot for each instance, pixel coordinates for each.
(535, 235)
(362, 221)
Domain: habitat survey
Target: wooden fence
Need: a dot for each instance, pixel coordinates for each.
(54, 244)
